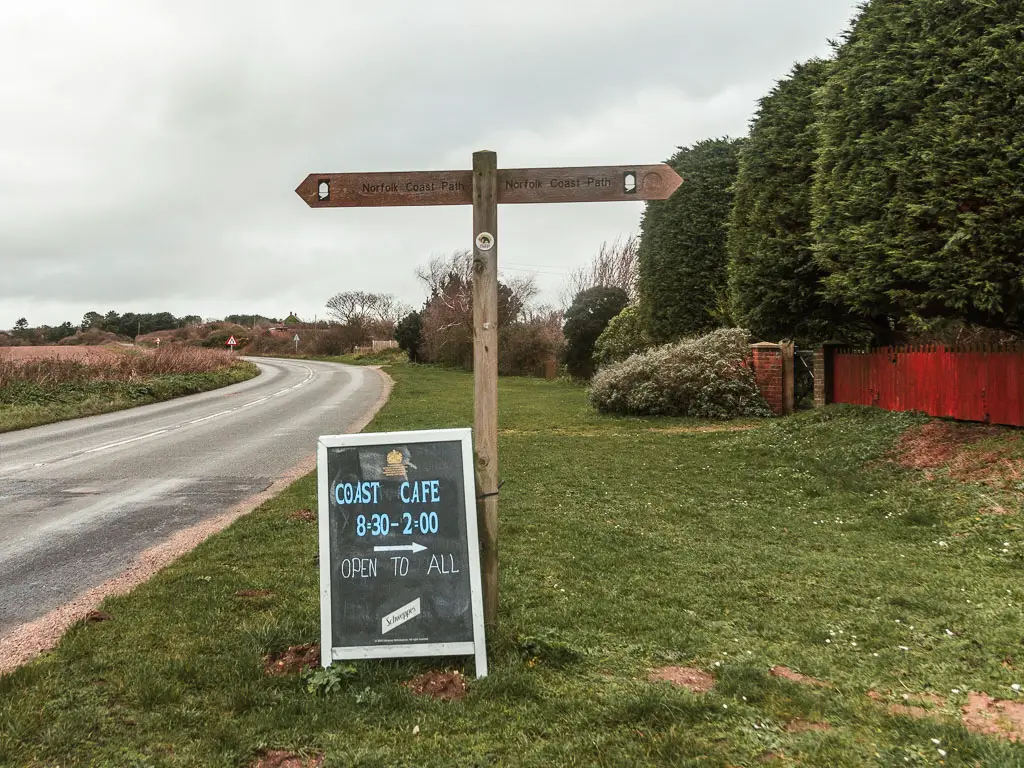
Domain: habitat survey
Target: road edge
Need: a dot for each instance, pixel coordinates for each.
(27, 641)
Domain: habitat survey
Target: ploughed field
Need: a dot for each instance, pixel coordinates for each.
(40, 385)
(83, 353)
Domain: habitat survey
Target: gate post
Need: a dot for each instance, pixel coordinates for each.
(788, 352)
(824, 367)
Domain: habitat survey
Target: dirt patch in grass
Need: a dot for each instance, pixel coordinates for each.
(94, 617)
(444, 686)
(948, 445)
(296, 659)
(713, 428)
(788, 674)
(913, 705)
(280, 758)
(804, 726)
(693, 680)
(994, 717)
(981, 714)
(254, 593)
(305, 515)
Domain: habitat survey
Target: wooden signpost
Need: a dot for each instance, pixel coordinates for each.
(485, 187)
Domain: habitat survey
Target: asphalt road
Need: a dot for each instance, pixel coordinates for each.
(80, 499)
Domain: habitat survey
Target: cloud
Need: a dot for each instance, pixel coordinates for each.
(149, 151)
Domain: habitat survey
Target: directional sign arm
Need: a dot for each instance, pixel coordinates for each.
(370, 190)
(587, 184)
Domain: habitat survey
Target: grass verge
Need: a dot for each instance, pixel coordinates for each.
(627, 544)
(28, 404)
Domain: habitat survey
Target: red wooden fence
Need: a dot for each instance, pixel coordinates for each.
(969, 384)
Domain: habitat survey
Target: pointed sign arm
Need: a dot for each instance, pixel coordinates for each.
(586, 184)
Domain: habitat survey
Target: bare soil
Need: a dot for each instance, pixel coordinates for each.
(788, 674)
(694, 680)
(296, 659)
(994, 717)
(280, 758)
(444, 686)
(254, 593)
(803, 726)
(913, 704)
(949, 445)
(305, 515)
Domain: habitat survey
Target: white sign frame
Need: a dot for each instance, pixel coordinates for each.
(478, 646)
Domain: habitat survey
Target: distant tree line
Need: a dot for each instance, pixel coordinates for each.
(128, 325)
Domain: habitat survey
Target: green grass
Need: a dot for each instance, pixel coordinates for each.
(625, 544)
(26, 404)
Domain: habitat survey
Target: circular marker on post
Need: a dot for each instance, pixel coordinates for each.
(485, 241)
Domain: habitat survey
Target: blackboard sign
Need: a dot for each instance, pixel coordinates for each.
(399, 554)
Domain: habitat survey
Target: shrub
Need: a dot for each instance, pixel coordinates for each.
(523, 347)
(409, 335)
(585, 321)
(704, 377)
(624, 336)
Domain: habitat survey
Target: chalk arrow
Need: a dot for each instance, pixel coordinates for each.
(414, 547)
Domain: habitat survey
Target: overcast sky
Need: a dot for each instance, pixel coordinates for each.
(149, 150)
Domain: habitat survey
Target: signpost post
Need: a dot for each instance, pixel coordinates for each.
(399, 559)
(296, 340)
(485, 187)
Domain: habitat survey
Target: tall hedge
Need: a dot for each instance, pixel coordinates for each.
(774, 283)
(918, 204)
(683, 280)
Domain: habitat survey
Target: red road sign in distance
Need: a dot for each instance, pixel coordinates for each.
(515, 185)
(231, 342)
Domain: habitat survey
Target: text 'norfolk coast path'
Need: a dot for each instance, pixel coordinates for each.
(515, 185)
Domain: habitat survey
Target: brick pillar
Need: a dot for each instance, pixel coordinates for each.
(767, 359)
(823, 357)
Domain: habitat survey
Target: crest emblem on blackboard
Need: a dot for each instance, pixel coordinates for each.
(395, 466)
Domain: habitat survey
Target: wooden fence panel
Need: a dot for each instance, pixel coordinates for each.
(971, 385)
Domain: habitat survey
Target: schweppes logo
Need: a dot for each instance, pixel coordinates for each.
(394, 467)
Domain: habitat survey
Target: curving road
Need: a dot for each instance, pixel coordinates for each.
(80, 499)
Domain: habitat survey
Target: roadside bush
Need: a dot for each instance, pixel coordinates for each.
(90, 337)
(265, 343)
(338, 339)
(585, 321)
(624, 336)
(523, 347)
(409, 335)
(705, 377)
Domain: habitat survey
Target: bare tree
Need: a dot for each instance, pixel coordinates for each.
(349, 306)
(616, 265)
(388, 310)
